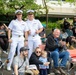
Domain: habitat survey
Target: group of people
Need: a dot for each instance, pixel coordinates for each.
(24, 38)
(69, 32)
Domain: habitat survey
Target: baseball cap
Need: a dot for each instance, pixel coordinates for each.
(24, 49)
(18, 12)
(30, 12)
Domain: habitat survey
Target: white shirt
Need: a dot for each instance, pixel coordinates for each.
(33, 26)
(18, 27)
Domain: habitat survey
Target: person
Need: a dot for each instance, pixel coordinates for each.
(18, 28)
(65, 24)
(63, 35)
(3, 37)
(35, 27)
(43, 34)
(74, 26)
(55, 47)
(43, 68)
(71, 38)
(34, 58)
(21, 62)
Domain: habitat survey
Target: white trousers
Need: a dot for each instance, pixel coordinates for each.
(32, 44)
(17, 42)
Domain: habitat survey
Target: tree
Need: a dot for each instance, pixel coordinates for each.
(9, 6)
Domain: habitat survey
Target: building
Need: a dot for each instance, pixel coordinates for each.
(59, 8)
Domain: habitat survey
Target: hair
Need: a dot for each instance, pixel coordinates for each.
(56, 29)
(1, 24)
(37, 48)
(44, 53)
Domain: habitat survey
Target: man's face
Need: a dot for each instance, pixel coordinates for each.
(56, 33)
(19, 16)
(25, 53)
(30, 16)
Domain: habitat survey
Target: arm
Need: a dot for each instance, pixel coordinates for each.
(27, 63)
(38, 31)
(15, 65)
(16, 69)
(26, 35)
(26, 38)
(50, 44)
(5, 27)
(34, 59)
(9, 35)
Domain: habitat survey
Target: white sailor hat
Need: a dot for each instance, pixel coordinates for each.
(30, 11)
(18, 12)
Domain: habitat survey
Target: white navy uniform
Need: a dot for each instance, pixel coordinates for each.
(18, 28)
(33, 38)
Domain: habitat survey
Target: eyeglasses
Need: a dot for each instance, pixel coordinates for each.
(38, 51)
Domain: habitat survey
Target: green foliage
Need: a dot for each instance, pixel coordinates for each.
(9, 6)
(53, 25)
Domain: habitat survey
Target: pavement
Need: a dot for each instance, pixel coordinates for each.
(5, 72)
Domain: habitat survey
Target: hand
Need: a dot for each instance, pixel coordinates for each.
(46, 63)
(10, 40)
(26, 43)
(37, 32)
(29, 32)
(1, 32)
(62, 43)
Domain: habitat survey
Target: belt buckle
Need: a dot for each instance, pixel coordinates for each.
(33, 35)
(19, 35)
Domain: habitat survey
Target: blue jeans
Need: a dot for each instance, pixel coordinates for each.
(64, 55)
(43, 72)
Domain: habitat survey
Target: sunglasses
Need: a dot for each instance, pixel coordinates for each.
(30, 14)
(38, 51)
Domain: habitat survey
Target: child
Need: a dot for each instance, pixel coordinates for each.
(43, 68)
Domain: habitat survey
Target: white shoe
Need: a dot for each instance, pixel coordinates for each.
(8, 68)
(5, 52)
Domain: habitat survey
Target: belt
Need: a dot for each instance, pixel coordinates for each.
(33, 35)
(19, 35)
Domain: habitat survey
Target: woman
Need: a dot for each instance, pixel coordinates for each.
(34, 59)
(3, 37)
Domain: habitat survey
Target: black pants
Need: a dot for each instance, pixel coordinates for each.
(4, 43)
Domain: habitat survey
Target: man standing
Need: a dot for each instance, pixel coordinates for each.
(18, 29)
(35, 27)
(55, 46)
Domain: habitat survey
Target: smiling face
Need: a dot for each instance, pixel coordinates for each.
(56, 33)
(19, 16)
(30, 16)
(38, 51)
(25, 53)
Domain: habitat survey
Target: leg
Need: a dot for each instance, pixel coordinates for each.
(12, 52)
(20, 44)
(2, 43)
(65, 57)
(6, 43)
(31, 49)
(37, 43)
(55, 57)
